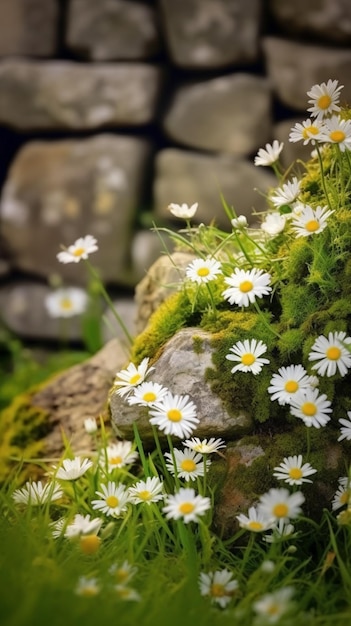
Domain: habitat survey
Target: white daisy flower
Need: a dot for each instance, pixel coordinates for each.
(239, 222)
(269, 155)
(255, 521)
(331, 354)
(83, 525)
(324, 99)
(114, 499)
(203, 270)
(272, 606)
(90, 425)
(204, 446)
(247, 354)
(310, 221)
(345, 429)
(66, 302)
(218, 585)
(35, 493)
(246, 286)
(72, 468)
(58, 527)
(292, 471)
(287, 382)
(281, 504)
(147, 393)
(341, 497)
(127, 593)
(274, 223)
(312, 408)
(81, 249)
(186, 505)
(122, 573)
(132, 376)
(337, 130)
(175, 415)
(87, 587)
(308, 131)
(147, 491)
(189, 464)
(183, 211)
(119, 454)
(281, 531)
(287, 194)
(344, 481)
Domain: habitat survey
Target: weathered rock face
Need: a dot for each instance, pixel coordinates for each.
(325, 19)
(29, 27)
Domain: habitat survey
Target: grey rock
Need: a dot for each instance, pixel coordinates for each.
(327, 20)
(28, 27)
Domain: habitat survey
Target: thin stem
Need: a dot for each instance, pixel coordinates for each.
(322, 176)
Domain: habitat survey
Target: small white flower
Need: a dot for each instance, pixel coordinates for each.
(90, 425)
(203, 270)
(186, 505)
(127, 593)
(146, 491)
(122, 573)
(72, 468)
(270, 155)
(87, 587)
(281, 504)
(247, 354)
(239, 222)
(35, 493)
(246, 286)
(189, 464)
(255, 521)
(287, 382)
(218, 585)
(287, 194)
(281, 531)
(113, 499)
(331, 354)
(147, 393)
(58, 527)
(81, 249)
(131, 377)
(338, 131)
(204, 446)
(118, 455)
(274, 223)
(345, 429)
(175, 415)
(341, 497)
(324, 99)
(183, 211)
(310, 221)
(66, 302)
(312, 408)
(83, 525)
(272, 606)
(308, 131)
(292, 471)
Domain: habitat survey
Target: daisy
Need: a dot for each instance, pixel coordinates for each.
(175, 415)
(203, 270)
(87, 586)
(273, 224)
(281, 504)
(331, 354)
(341, 497)
(81, 249)
(310, 221)
(83, 525)
(183, 211)
(292, 471)
(255, 521)
(270, 155)
(127, 593)
(90, 425)
(119, 454)
(308, 131)
(324, 99)
(73, 469)
(312, 408)
(272, 606)
(58, 527)
(344, 481)
(218, 585)
(147, 491)
(248, 355)
(287, 382)
(147, 394)
(122, 573)
(114, 499)
(189, 464)
(35, 493)
(337, 130)
(131, 377)
(286, 194)
(282, 530)
(345, 428)
(204, 446)
(66, 302)
(246, 286)
(186, 505)
(239, 222)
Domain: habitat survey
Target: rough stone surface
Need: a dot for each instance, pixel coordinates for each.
(227, 114)
(28, 27)
(69, 95)
(328, 20)
(182, 371)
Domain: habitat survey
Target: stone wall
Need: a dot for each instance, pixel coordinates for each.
(111, 110)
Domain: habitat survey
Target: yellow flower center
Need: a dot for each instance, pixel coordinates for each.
(295, 473)
(248, 358)
(273, 609)
(246, 286)
(89, 591)
(115, 460)
(66, 304)
(310, 130)
(89, 544)
(291, 386)
(344, 498)
(174, 415)
(281, 510)
(145, 495)
(112, 501)
(188, 465)
(217, 591)
(78, 251)
(324, 102)
(186, 508)
(337, 136)
(333, 353)
(203, 271)
(121, 575)
(255, 525)
(134, 379)
(312, 226)
(149, 396)
(309, 409)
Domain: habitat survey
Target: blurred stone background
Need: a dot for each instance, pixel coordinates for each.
(112, 109)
